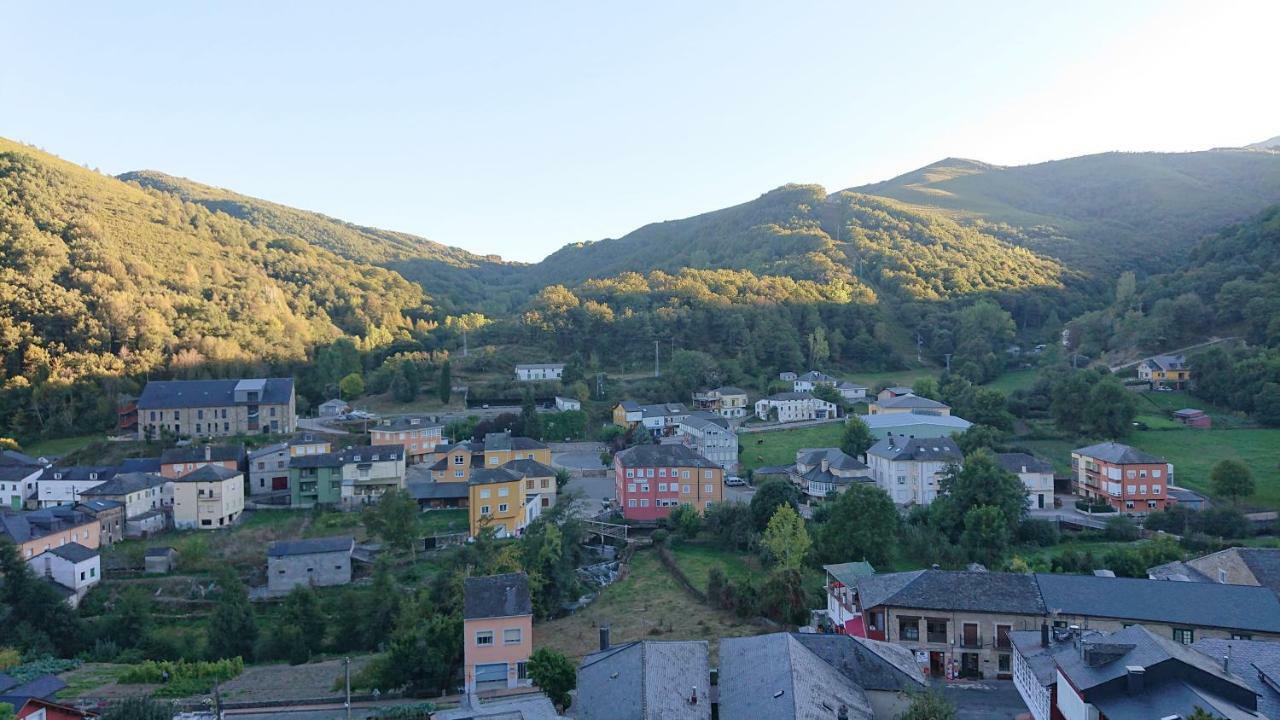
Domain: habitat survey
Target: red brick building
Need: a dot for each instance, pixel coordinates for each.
(1123, 477)
(650, 480)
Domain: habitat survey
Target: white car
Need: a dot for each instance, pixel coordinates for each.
(734, 481)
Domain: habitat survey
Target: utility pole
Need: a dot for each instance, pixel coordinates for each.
(346, 663)
(948, 356)
(464, 340)
(919, 343)
(656, 369)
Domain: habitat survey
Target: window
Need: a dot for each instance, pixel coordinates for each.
(511, 636)
(902, 479)
(503, 492)
(644, 503)
(909, 629)
(1128, 504)
(493, 460)
(484, 494)
(1222, 576)
(522, 670)
(545, 483)
(206, 521)
(458, 473)
(1131, 474)
(457, 459)
(199, 428)
(1241, 636)
(1151, 504)
(1131, 489)
(484, 509)
(1002, 664)
(648, 472)
(1185, 636)
(631, 503)
(484, 637)
(631, 473)
(502, 507)
(687, 489)
(199, 414)
(1155, 489)
(662, 487)
(684, 475)
(708, 488)
(1155, 473)
(631, 487)
(662, 472)
(707, 474)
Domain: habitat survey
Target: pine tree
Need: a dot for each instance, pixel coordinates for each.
(445, 387)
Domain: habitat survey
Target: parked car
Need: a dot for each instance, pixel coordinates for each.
(734, 481)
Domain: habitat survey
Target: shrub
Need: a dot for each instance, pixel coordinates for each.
(660, 536)
(1121, 528)
(1038, 532)
(184, 678)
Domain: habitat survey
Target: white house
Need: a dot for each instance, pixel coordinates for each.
(662, 419)
(909, 469)
(794, 407)
(812, 379)
(63, 485)
(533, 372)
(564, 404)
(1036, 475)
(72, 566)
(710, 437)
(822, 471)
(17, 483)
(851, 391)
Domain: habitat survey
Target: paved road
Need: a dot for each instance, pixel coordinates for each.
(1179, 351)
(984, 699)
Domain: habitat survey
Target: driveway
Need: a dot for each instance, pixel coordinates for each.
(983, 699)
(577, 460)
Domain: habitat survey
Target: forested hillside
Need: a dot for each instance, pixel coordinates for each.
(1103, 213)
(102, 278)
(454, 279)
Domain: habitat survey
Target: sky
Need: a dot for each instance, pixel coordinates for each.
(515, 128)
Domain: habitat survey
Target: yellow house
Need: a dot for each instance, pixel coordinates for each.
(1165, 370)
(457, 463)
(209, 498)
(498, 495)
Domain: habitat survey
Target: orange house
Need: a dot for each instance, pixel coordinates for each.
(179, 461)
(40, 530)
(497, 631)
(418, 436)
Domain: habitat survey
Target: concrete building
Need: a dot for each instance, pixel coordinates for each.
(910, 469)
(539, 372)
(645, 680)
(208, 499)
(18, 483)
(333, 408)
(914, 425)
(651, 480)
(160, 560)
(1123, 477)
(178, 461)
(497, 631)
(1036, 476)
(417, 434)
(567, 404)
(38, 531)
(909, 403)
(709, 436)
(786, 407)
(316, 562)
(820, 472)
(110, 517)
(216, 408)
(64, 485)
(726, 401)
(73, 567)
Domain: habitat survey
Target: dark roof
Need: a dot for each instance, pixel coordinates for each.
(159, 394)
(1254, 661)
(953, 590)
(936, 449)
(209, 473)
(912, 401)
(307, 439)
(507, 441)
(530, 468)
(125, 483)
(99, 506)
(870, 664)
(1015, 462)
(1118, 454)
(492, 596)
(782, 396)
(1176, 570)
(318, 460)
(41, 688)
(849, 572)
(425, 490)
(502, 474)
(646, 680)
(1264, 563)
(776, 677)
(705, 421)
(78, 473)
(1188, 413)
(196, 453)
(835, 457)
(7, 681)
(406, 422)
(729, 390)
(143, 465)
(74, 552)
(663, 456)
(663, 410)
(1234, 607)
(23, 526)
(366, 453)
(312, 546)
(14, 473)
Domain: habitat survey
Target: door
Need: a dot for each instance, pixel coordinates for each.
(970, 638)
(280, 483)
(491, 675)
(937, 664)
(969, 665)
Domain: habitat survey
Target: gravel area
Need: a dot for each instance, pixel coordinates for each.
(290, 682)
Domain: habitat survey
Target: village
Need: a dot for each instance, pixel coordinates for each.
(695, 588)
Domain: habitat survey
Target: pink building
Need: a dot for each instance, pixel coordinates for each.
(497, 631)
(650, 480)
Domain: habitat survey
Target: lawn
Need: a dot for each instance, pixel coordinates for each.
(1014, 380)
(1194, 452)
(57, 447)
(1165, 403)
(647, 605)
(439, 522)
(779, 447)
(696, 560)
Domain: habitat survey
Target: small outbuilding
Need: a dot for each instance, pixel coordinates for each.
(318, 562)
(160, 560)
(1191, 417)
(333, 408)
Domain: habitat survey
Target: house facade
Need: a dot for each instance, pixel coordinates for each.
(910, 469)
(417, 434)
(64, 485)
(317, 562)
(208, 499)
(710, 437)
(73, 566)
(539, 372)
(178, 461)
(370, 471)
(1123, 477)
(497, 631)
(651, 480)
(851, 391)
(1036, 476)
(1165, 371)
(788, 407)
(18, 483)
(38, 531)
(726, 401)
(456, 462)
(139, 493)
(110, 517)
(822, 472)
(217, 408)
(567, 404)
(498, 499)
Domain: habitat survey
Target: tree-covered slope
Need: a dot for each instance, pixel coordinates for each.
(453, 278)
(102, 276)
(1104, 212)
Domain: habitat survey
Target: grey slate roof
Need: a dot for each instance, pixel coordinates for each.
(663, 410)
(1232, 607)
(1255, 662)
(1015, 462)
(530, 468)
(208, 473)
(162, 394)
(835, 457)
(426, 490)
(318, 460)
(791, 395)
(1118, 454)
(406, 422)
(487, 476)
(893, 421)
(78, 473)
(43, 688)
(266, 450)
(953, 590)
(14, 473)
(99, 506)
(195, 453)
(74, 552)
(870, 664)
(898, 448)
(312, 546)
(706, 422)
(125, 483)
(529, 707)
(648, 680)
(366, 453)
(507, 441)
(1264, 563)
(848, 573)
(776, 677)
(492, 596)
(663, 456)
(913, 402)
(816, 376)
(142, 465)
(729, 390)
(1176, 571)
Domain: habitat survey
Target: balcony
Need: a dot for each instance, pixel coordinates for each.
(971, 641)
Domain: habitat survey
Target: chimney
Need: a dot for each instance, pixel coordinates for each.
(825, 464)
(693, 695)
(1044, 634)
(208, 453)
(1226, 660)
(604, 638)
(1134, 674)
(842, 713)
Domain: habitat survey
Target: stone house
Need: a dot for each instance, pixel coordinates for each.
(217, 408)
(160, 560)
(110, 516)
(315, 562)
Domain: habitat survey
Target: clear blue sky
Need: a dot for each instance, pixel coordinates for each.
(514, 128)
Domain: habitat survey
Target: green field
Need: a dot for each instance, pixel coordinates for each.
(779, 447)
(58, 447)
(1194, 452)
(1014, 380)
(696, 560)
